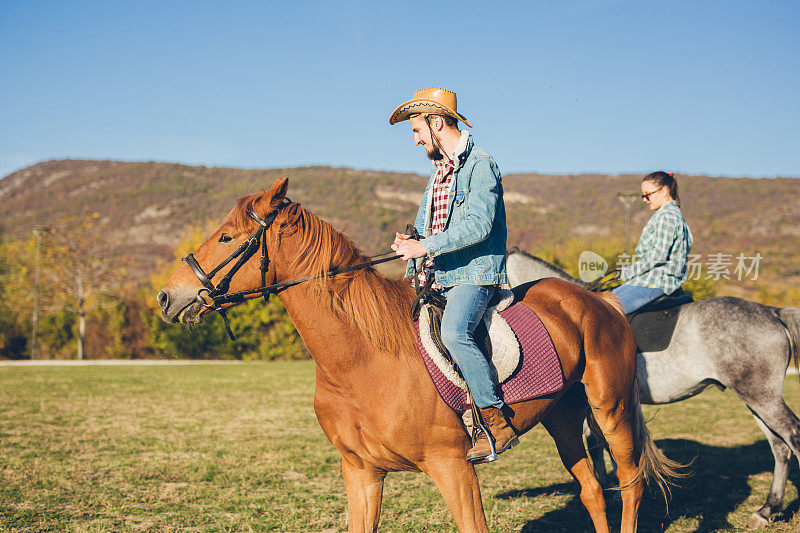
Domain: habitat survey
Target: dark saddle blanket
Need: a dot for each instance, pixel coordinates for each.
(654, 324)
(536, 372)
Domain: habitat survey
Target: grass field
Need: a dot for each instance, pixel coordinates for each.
(236, 447)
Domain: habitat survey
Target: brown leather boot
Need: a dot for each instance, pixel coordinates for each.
(502, 433)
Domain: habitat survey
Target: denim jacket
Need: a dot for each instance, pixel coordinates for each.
(471, 249)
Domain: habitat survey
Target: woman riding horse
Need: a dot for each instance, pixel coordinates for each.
(663, 248)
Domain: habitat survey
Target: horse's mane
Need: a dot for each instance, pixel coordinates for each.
(379, 307)
(602, 284)
(547, 264)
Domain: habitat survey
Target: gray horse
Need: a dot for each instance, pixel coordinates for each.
(726, 342)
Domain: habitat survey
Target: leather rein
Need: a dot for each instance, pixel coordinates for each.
(217, 295)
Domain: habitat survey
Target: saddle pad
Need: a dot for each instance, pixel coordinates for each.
(538, 374)
(493, 335)
(653, 329)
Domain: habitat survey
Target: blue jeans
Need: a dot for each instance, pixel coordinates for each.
(633, 297)
(462, 314)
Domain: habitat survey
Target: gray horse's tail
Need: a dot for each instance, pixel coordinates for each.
(655, 467)
(790, 318)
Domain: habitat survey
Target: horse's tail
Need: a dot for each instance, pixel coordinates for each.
(790, 318)
(612, 299)
(655, 467)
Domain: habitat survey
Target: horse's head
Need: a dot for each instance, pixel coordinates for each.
(229, 261)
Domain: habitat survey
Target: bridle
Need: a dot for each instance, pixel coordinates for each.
(217, 295)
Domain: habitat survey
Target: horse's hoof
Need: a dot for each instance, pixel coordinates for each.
(758, 522)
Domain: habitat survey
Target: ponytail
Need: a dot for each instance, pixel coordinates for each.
(665, 179)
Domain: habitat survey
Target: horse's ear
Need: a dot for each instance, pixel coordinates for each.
(277, 192)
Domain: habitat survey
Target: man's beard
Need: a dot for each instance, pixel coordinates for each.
(434, 154)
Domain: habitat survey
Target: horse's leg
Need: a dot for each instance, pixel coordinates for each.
(456, 480)
(616, 419)
(783, 455)
(364, 488)
(772, 412)
(596, 452)
(565, 424)
(596, 446)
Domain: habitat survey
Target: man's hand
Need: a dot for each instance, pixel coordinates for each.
(399, 238)
(407, 247)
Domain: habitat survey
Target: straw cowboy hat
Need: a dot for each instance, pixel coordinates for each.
(432, 101)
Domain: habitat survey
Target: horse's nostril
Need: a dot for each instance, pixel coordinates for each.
(163, 300)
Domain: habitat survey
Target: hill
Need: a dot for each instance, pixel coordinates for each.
(148, 207)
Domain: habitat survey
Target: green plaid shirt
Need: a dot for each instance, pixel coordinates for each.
(662, 251)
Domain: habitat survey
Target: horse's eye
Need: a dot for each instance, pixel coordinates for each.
(225, 238)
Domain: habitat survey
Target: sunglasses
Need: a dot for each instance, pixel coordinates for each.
(647, 196)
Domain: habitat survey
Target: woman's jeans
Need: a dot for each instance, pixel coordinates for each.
(462, 314)
(632, 297)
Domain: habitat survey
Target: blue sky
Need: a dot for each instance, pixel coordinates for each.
(567, 86)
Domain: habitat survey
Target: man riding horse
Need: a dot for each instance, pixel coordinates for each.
(462, 218)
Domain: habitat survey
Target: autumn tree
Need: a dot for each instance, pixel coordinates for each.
(15, 283)
(82, 267)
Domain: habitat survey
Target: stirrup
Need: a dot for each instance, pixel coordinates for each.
(477, 424)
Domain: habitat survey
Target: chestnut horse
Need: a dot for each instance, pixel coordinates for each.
(374, 398)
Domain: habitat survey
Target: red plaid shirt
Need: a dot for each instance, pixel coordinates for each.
(441, 196)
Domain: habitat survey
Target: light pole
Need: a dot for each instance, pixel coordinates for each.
(627, 198)
(37, 230)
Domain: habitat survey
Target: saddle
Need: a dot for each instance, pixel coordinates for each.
(522, 354)
(493, 335)
(654, 324)
(518, 346)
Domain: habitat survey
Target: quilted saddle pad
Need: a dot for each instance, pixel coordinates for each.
(537, 374)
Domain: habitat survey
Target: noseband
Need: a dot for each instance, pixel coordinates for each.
(217, 295)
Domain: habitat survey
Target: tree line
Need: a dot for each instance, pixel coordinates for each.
(84, 307)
